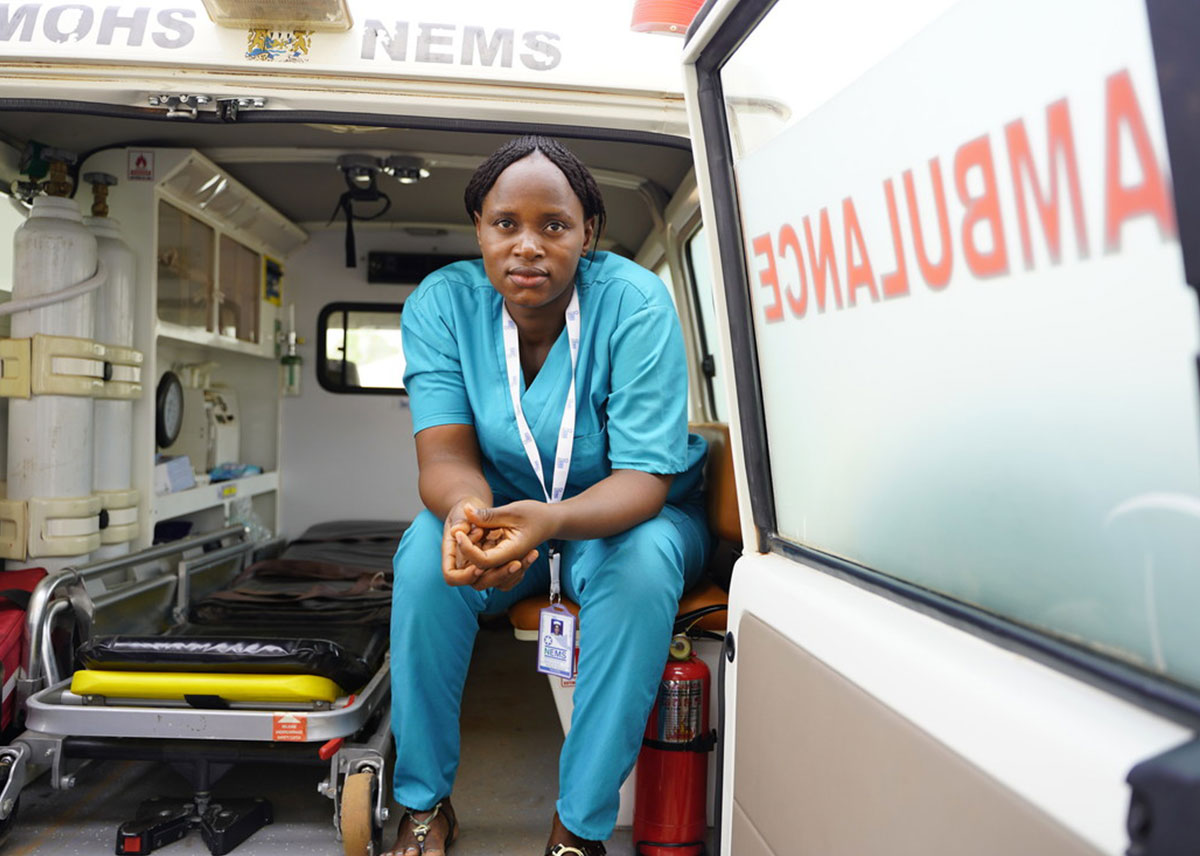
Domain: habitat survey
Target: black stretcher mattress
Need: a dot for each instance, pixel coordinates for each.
(242, 654)
(341, 638)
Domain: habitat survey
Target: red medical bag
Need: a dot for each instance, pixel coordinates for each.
(14, 600)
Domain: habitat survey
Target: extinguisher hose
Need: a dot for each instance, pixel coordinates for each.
(684, 622)
(79, 289)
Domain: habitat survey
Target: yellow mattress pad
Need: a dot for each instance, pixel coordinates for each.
(231, 687)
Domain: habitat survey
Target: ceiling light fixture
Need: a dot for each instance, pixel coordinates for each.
(360, 172)
(406, 169)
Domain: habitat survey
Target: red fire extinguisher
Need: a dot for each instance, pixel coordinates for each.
(669, 816)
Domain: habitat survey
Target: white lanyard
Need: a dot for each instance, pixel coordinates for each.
(566, 430)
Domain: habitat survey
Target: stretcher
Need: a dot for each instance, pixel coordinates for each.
(180, 653)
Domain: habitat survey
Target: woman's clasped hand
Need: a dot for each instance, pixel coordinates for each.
(486, 547)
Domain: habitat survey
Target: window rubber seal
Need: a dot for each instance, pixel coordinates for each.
(322, 368)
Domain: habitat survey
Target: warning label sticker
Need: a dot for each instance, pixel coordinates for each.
(290, 727)
(141, 165)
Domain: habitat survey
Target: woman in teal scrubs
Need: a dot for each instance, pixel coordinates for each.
(629, 528)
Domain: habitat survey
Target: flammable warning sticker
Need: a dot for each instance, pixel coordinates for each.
(141, 165)
(290, 727)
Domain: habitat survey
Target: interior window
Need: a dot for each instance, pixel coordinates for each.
(975, 342)
(359, 348)
(702, 281)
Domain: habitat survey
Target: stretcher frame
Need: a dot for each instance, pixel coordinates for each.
(62, 726)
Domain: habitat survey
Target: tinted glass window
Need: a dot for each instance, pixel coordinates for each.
(976, 344)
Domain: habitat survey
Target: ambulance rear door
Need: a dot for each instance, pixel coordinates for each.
(955, 242)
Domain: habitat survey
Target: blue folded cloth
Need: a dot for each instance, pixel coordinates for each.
(227, 471)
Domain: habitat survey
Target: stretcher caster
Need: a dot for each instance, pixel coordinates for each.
(7, 824)
(12, 778)
(362, 834)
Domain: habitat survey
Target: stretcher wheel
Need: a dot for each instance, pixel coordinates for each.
(6, 825)
(361, 835)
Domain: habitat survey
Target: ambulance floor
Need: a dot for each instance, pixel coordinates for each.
(504, 795)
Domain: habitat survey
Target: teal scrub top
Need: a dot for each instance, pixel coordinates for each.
(631, 381)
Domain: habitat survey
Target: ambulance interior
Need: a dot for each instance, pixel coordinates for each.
(293, 169)
(239, 234)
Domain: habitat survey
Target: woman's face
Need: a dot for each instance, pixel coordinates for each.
(532, 233)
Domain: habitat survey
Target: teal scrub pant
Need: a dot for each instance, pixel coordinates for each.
(627, 587)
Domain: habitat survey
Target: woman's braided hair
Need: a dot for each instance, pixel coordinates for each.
(572, 168)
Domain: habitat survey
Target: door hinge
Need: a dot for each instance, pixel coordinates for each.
(180, 106)
(228, 108)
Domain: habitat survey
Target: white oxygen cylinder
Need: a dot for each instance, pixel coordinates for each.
(49, 436)
(112, 468)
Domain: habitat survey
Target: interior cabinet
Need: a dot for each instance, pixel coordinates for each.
(190, 296)
(203, 242)
(186, 285)
(239, 292)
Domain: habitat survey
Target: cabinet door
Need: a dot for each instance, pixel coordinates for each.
(240, 289)
(185, 269)
(962, 341)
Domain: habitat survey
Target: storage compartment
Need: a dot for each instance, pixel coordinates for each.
(185, 269)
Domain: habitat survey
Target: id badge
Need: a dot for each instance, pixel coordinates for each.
(556, 642)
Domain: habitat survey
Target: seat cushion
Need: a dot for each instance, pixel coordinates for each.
(702, 596)
(720, 489)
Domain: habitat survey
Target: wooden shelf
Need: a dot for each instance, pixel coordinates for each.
(170, 505)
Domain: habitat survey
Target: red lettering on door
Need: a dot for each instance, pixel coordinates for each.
(982, 210)
(936, 275)
(768, 277)
(823, 264)
(789, 241)
(1148, 197)
(1060, 148)
(895, 284)
(858, 274)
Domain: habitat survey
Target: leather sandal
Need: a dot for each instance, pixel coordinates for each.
(578, 847)
(421, 827)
